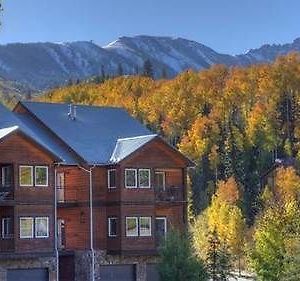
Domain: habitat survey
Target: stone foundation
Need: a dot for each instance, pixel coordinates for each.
(28, 263)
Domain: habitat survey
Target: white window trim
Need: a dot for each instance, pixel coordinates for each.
(47, 176)
(165, 222)
(25, 166)
(108, 178)
(136, 178)
(26, 218)
(109, 226)
(3, 220)
(164, 177)
(145, 235)
(35, 228)
(149, 182)
(137, 227)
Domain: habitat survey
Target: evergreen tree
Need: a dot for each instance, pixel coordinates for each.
(148, 69)
(218, 259)
(164, 74)
(120, 71)
(178, 262)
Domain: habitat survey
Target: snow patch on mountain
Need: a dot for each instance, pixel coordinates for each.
(44, 65)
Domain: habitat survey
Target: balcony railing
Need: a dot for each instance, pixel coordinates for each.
(171, 194)
(6, 192)
(7, 243)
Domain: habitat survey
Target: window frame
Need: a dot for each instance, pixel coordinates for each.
(109, 227)
(150, 229)
(108, 178)
(136, 178)
(35, 228)
(9, 235)
(31, 168)
(32, 230)
(47, 176)
(149, 180)
(137, 227)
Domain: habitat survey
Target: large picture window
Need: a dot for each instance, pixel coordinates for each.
(144, 178)
(130, 178)
(41, 227)
(26, 227)
(111, 178)
(26, 175)
(131, 226)
(145, 226)
(41, 176)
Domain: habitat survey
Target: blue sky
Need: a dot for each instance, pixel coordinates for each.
(229, 26)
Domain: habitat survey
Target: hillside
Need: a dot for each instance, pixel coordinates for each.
(235, 121)
(41, 66)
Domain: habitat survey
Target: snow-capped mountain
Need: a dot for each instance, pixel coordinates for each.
(44, 65)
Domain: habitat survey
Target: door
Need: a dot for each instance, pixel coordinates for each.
(60, 187)
(160, 230)
(37, 274)
(160, 181)
(61, 235)
(66, 268)
(124, 272)
(6, 176)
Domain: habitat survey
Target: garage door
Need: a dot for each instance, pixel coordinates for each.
(117, 272)
(152, 272)
(40, 274)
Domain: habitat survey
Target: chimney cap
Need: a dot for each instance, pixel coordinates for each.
(72, 111)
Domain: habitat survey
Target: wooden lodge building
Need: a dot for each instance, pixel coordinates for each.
(86, 193)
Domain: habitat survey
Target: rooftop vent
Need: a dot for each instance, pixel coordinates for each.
(72, 112)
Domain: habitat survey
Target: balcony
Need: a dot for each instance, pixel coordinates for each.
(6, 193)
(7, 244)
(169, 194)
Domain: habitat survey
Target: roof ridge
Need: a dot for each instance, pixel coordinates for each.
(76, 104)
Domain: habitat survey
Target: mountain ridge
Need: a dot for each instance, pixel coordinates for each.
(43, 65)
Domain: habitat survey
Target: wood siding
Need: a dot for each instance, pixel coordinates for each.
(33, 201)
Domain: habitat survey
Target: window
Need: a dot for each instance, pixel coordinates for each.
(145, 226)
(6, 179)
(41, 176)
(160, 180)
(130, 178)
(26, 175)
(26, 227)
(131, 226)
(112, 227)
(7, 228)
(41, 227)
(144, 178)
(111, 178)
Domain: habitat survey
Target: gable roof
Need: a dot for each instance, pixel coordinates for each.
(9, 123)
(99, 135)
(127, 146)
(7, 131)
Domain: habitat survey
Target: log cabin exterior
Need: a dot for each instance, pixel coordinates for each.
(101, 191)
